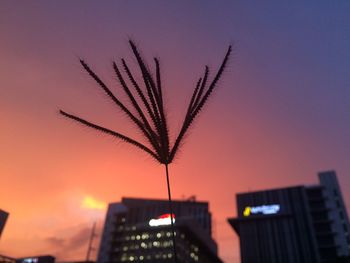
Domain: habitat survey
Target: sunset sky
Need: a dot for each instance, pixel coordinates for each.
(281, 112)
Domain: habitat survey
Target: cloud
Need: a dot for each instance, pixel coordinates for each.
(70, 247)
(55, 242)
(80, 239)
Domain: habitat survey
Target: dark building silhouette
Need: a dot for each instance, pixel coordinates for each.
(3, 218)
(6, 259)
(138, 230)
(299, 224)
(37, 259)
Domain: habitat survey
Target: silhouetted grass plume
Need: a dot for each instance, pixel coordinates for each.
(147, 110)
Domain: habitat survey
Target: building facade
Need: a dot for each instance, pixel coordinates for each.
(6, 259)
(37, 259)
(299, 224)
(3, 219)
(139, 230)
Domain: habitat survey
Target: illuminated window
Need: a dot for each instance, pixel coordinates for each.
(30, 260)
(167, 244)
(145, 236)
(143, 245)
(124, 257)
(156, 243)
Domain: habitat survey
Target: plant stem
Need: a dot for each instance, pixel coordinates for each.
(171, 212)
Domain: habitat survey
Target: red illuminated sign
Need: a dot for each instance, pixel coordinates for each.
(162, 220)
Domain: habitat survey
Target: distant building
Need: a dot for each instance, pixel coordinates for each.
(6, 259)
(139, 230)
(37, 259)
(294, 224)
(3, 218)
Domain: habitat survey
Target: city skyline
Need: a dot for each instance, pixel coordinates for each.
(280, 115)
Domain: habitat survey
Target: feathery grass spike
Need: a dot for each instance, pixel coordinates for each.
(151, 118)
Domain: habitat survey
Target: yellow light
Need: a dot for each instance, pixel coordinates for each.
(91, 203)
(246, 211)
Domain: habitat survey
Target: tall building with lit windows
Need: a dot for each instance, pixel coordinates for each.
(139, 230)
(299, 224)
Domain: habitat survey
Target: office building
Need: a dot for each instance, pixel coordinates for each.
(140, 230)
(3, 218)
(37, 259)
(299, 224)
(6, 259)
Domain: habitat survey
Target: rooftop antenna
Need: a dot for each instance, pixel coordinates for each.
(90, 247)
